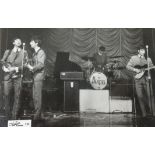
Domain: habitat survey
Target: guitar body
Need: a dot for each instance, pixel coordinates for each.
(8, 69)
(139, 75)
(142, 72)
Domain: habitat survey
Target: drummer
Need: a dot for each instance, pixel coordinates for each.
(100, 59)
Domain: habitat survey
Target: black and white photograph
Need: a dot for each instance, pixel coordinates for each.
(77, 77)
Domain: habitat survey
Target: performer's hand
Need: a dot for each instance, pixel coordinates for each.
(30, 67)
(25, 64)
(16, 69)
(137, 70)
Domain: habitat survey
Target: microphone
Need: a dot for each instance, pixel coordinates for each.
(147, 46)
(24, 47)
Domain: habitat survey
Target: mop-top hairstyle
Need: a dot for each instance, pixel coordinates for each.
(36, 39)
(141, 47)
(102, 48)
(15, 38)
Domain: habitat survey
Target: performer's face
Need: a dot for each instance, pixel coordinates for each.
(17, 42)
(142, 52)
(101, 52)
(33, 44)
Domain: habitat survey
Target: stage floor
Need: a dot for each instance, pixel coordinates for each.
(58, 119)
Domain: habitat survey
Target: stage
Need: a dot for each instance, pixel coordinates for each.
(70, 88)
(58, 119)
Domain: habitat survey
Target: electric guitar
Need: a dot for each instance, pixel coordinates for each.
(11, 70)
(143, 69)
(8, 69)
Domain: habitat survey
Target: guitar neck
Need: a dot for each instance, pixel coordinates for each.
(150, 68)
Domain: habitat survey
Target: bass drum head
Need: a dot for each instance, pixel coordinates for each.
(98, 80)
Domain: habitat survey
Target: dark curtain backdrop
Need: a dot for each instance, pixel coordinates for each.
(81, 42)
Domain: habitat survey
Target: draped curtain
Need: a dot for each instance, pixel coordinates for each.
(81, 42)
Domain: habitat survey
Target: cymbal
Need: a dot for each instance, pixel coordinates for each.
(119, 56)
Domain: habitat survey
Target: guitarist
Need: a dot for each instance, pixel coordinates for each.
(12, 60)
(135, 64)
(38, 70)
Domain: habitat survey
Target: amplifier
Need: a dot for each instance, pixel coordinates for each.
(121, 104)
(71, 76)
(94, 100)
(100, 101)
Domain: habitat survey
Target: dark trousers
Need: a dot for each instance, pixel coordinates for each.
(145, 99)
(9, 85)
(37, 97)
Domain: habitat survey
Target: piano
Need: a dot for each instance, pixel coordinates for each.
(62, 64)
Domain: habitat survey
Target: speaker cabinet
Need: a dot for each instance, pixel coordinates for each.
(71, 96)
(122, 95)
(122, 90)
(120, 105)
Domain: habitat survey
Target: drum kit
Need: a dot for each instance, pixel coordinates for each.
(98, 77)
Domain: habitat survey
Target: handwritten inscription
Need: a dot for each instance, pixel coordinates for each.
(19, 123)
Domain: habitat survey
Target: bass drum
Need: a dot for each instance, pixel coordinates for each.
(98, 80)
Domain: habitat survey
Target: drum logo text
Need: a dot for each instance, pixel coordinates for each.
(98, 81)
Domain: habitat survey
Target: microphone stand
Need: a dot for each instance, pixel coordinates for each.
(22, 69)
(149, 86)
(148, 67)
(22, 60)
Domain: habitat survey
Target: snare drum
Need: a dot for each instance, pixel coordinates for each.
(98, 80)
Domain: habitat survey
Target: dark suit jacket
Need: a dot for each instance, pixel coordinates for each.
(38, 65)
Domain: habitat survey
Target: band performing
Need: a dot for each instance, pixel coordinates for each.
(98, 70)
